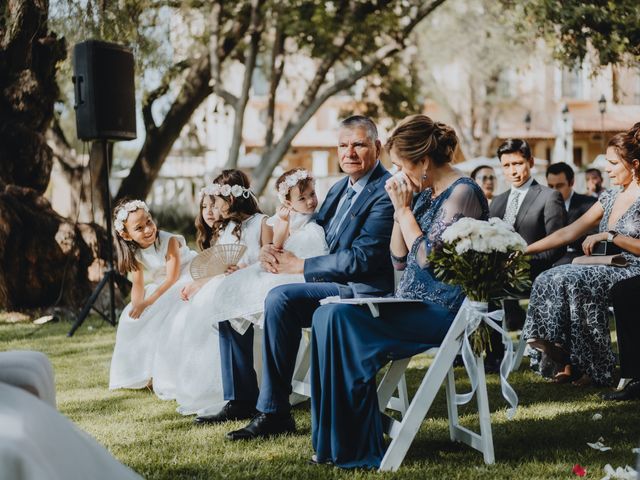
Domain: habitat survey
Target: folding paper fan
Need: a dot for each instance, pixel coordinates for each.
(215, 260)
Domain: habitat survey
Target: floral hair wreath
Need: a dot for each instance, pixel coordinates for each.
(291, 181)
(125, 210)
(226, 191)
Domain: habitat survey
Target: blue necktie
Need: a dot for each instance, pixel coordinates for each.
(337, 218)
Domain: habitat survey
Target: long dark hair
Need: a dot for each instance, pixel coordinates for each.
(240, 208)
(204, 233)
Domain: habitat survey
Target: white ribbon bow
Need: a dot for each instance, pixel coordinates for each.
(474, 314)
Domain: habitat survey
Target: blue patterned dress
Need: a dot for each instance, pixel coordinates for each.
(349, 345)
(569, 304)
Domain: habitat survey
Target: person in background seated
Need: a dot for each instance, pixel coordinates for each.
(623, 298)
(568, 317)
(486, 178)
(560, 177)
(535, 211)
(593, 176)
(348, 344)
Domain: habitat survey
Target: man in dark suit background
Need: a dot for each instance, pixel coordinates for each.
(535, 211)
(357, 216)
(560, 177)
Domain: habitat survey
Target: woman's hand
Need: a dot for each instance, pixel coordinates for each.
(137, 309)
(400, 192)
(591, 240)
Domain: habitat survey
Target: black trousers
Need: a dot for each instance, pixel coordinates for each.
(624, 296)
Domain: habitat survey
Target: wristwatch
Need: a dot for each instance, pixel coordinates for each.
(611, 234)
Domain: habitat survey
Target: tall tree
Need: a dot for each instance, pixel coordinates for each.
(44, 258)
(343, 41)
(608, 30)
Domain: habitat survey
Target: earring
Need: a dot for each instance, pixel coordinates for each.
(424, 175)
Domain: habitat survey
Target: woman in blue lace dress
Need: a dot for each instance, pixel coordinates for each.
(568, 309)
(349, 345)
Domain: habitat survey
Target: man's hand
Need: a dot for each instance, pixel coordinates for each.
(268, 257)
(289, 263)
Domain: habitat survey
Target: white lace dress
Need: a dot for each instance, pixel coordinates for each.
(199, 384)
(138, 341)
(240, 297)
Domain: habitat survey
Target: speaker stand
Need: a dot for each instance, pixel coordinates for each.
(109, 276)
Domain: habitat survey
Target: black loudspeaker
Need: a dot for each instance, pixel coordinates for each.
(104, 91)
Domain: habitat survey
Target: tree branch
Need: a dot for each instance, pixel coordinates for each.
(277, 69)
(240, 105)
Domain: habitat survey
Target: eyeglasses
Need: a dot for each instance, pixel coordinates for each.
(485, 178)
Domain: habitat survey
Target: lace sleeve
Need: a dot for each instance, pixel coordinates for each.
(464, 201)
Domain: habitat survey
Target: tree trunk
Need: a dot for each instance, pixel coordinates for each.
(44, 258)
(159, 140)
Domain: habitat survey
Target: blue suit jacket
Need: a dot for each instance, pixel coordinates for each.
(359, 260)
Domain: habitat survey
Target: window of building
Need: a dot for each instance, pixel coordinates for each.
(577, 156)
(572, 84)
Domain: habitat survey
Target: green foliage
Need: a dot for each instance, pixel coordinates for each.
(576, 28)
(482, 276)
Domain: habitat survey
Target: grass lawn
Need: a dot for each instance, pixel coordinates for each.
(545, 439)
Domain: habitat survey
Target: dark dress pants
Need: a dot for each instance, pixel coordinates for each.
(288, 309)
(625, 308)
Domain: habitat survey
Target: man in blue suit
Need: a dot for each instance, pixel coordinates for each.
(357, 217)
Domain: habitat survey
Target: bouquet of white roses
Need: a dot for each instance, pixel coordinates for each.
(485, 258)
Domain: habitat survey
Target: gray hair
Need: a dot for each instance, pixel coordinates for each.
(360, 121)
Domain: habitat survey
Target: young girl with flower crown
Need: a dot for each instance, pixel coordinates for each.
(199, 385)
(240, 298)
(165, 257)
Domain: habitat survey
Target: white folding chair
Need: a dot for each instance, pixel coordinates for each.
(441, 371)
(301, 384)
(522, 343)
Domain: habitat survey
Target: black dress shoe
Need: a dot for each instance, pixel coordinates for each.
(233, 410)
(264, 425)
(630, 392)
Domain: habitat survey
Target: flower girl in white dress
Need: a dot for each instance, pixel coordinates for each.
(199, 383)
(165, 257)
(240, 298)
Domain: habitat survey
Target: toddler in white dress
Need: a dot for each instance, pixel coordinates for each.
(240, 298)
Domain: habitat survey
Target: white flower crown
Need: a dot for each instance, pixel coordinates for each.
(291, 181)
(226, 190)
(124, 212)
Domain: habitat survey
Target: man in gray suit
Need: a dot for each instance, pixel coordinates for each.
(535, 211)
(560, 177)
